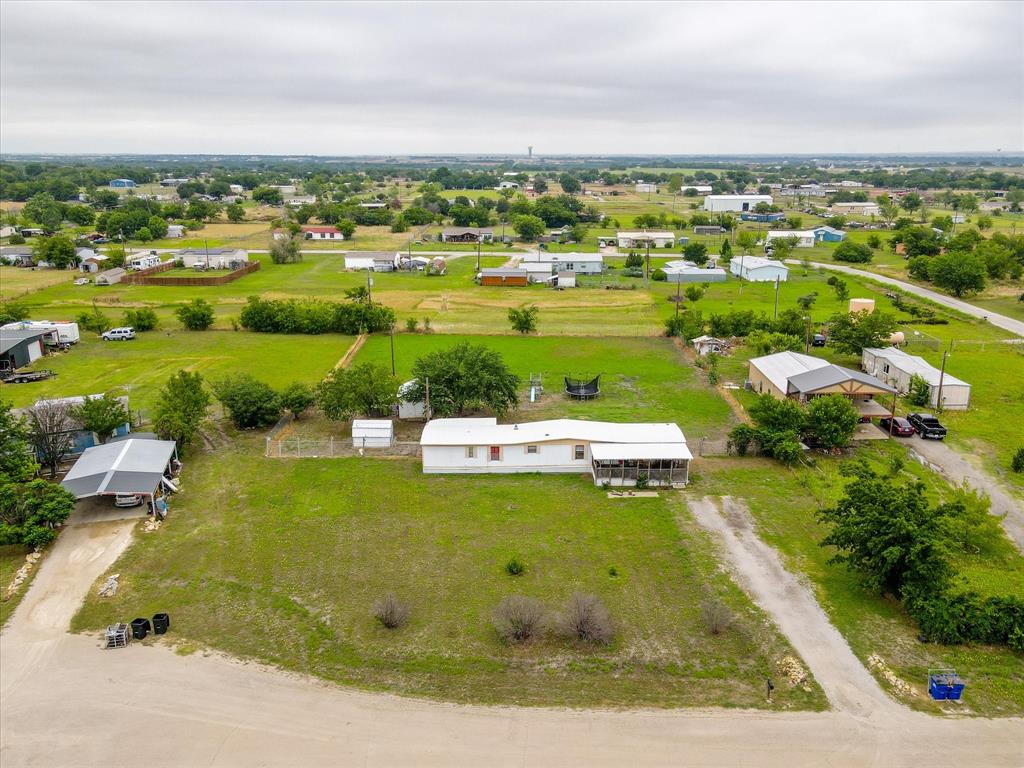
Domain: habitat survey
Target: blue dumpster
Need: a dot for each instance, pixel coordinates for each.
(945, 684)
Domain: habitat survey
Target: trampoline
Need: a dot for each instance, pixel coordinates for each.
(578, 389)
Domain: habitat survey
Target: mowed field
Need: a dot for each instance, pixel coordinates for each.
(282, 561)
(15, 281)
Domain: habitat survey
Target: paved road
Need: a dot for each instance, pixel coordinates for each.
(958, 468)
(1000, 321)
(64, 702)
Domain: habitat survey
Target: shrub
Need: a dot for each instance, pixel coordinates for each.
(1017, 463)
(851, 252)
(391, 612)
(613, 571)
(297, 397)
(94, 321)
(832, 420)
(518, 619)
(368, 388)
(197, 315)
(741, 437)
(659, 275)
(13, 311)
(143, 319)
(874, 242)
(716, 614)
(919, 393)
(411, 324)
(585, 618)
(634, 261)
(642, 482)
(250, 403)
(524, 319)
(515, 567)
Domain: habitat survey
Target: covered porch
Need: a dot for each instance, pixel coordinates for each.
(622, 464)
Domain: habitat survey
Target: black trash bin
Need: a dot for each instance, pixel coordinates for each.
(161, 623)
(140, 628)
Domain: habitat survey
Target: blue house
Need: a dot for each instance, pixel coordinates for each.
(122, 183)
(827, 234)
(764, 218)
(80, 438)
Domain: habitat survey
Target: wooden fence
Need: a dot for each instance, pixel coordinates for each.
(141, 278)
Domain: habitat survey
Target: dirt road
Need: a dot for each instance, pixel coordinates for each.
(1015, 327)
(958, 468)
(77, 705)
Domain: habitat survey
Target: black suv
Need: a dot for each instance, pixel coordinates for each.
(927, 426)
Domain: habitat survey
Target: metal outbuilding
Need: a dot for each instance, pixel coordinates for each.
(127, 466)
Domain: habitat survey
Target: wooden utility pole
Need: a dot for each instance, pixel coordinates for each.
(392, 350)
(776, 298)
(942, 376)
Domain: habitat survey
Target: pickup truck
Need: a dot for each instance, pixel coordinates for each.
(927, 426)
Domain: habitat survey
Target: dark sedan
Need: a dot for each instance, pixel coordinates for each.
(897, 426)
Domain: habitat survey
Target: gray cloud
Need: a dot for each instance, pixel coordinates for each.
(374, 78)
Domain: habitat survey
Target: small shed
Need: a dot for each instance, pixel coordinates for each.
(706, 344)
(373, 433)
(20, 347)
(110, 276)
(566, 278)
(504, 276)
(408, 408)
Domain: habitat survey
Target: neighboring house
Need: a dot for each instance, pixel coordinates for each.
(634, 239)
(175, 230)
(612, 453)
(7, 231)
(855, 209)
(81, 439)
(758, 269)
(284, 189)
(738, 203)
(764, 218)
(847, 183)
(122, 183)
(236, 189)
(31, 232)
(91, 261)
(377, 261)
(700, 189)
(503, 276)
(508, 184)
(895, 367)
(322, 233)
(373, 433)
(827, 234)
(467, 235)
(802, 377)
(16, 255)
(707, 344)
(681, 271)
(804, 239)
(295, 201)
(373, 206)
(645, 187)
(110, 276)
(213, 258)
(580, 263)
(21, 347)
(172, 182)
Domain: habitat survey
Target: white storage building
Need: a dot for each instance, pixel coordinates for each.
(758, 269)
(804, 239)
(373, 433)
(634, 239)
(610, 452)
(895, 367)
(738, 203)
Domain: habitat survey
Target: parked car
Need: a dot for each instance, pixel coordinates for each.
(128, 500)
(927, 426)
(898, 426)
(119, 334)
(82, 281)
(818, 340)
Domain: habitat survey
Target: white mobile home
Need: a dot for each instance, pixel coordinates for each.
(895, 367)
(213, 258)
(645, 187)
(58, 331)
(373, 433)
(580, 263)
(804, 239)
(611, 453)
(758, 269)
(376, 261)
(738, 203)
(633, 239)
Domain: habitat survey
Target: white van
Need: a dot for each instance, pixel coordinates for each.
(119, 334)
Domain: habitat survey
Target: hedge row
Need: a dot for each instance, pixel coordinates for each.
(310, 316)
(967, 618)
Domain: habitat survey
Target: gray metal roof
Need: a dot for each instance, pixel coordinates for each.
(10, 338)
(128, 466)
(829, 376)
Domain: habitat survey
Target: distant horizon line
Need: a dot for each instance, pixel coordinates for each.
(520, 156)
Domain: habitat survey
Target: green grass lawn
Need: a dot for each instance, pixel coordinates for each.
(784, 503)
(641, 379)
(145, 363)
(18, 281)
(281, 561)
(12, 557)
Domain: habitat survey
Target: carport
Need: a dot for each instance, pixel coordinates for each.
(128, 466)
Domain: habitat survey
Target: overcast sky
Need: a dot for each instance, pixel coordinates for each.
(620, 78)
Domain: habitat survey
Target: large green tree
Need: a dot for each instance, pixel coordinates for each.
(30, 512)
(465, 377)
(181, 408)
(17, 464)
(101, 415)
(957, 272)
(831, 420)
(366, 389)
(851, 332)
